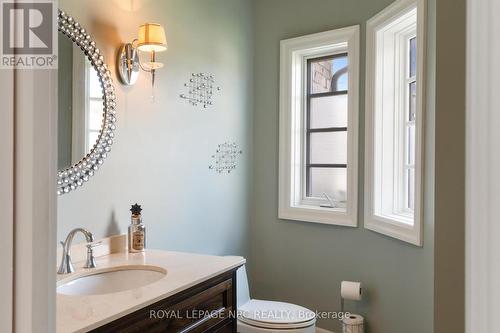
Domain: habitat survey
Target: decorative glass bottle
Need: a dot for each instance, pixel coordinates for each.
(136, 231)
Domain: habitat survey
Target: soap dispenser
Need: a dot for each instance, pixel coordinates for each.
(136, 231)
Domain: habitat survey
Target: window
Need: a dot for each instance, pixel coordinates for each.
(87, 115)
(394, 121)
(318, 127)
(94, 107)
(410, 102)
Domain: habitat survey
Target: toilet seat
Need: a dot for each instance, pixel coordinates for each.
(275, 315)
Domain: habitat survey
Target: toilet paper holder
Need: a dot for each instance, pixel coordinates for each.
(350, 290)
(353, 291)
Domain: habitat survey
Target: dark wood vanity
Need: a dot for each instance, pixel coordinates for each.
(207, 307)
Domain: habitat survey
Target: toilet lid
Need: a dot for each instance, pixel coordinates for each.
(275, 314)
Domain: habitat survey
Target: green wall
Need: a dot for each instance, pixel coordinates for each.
(305, 262)
(162, 149)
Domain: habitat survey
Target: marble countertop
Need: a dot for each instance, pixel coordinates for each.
(184, 270)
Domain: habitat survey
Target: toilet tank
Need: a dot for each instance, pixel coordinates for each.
(242, 290)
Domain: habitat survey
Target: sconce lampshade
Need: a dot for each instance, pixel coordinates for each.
(151, 37)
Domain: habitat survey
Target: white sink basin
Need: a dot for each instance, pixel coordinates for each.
(111, 280)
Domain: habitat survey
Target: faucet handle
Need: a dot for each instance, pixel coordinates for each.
(90, 255)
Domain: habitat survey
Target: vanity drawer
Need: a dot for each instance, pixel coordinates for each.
(227, 328)
(206, 307)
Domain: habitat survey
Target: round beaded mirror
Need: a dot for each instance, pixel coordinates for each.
(92, 104)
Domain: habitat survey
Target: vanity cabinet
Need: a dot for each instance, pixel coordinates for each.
(207, 307)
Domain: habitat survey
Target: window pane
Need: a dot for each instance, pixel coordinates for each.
(413, 101)
(413, 56)
(329, 111)
(92, 139)
(95, 90)
(328, 148)
(340, 80)
(410, 145)
(410, 176)
(332, 181)
(329, 75)
(95, 114)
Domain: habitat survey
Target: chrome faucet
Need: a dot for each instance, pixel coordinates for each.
(66, 264)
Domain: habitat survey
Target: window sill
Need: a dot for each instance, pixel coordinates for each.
(397, 227)
(316, 214)
(402, 219)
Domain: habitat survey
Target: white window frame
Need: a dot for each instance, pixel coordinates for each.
(293, 72)
(386, 71)
(81, 106)
(89, 70)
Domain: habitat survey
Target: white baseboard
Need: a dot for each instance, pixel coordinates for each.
(321, 330)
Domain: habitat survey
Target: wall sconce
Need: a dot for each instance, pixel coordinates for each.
(151, 39)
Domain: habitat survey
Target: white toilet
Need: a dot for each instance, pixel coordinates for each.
(256, 316)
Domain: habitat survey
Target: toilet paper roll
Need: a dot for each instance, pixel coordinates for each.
(354, 323)
(351, 290)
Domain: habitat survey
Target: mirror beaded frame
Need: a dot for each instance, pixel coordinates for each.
(73, 177)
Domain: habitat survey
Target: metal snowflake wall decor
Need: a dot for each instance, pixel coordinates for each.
(201, 88)
(225, 157)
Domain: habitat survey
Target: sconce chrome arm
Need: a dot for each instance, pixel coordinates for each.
(134, 47)
(128, 64)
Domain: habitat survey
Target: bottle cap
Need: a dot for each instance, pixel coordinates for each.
(136, 209)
